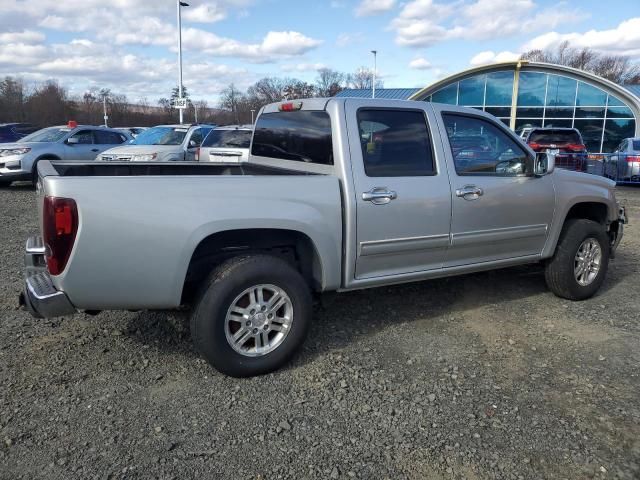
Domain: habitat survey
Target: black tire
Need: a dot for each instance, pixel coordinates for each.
(559, 271)
(5, 183)
(217, 295)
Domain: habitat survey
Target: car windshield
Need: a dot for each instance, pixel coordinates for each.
(228, 139)
(161, 136)
(636, 144)
(554, 136)
(52, 134)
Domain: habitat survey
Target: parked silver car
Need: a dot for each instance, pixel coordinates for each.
(624, 164)
(18, 161)
(226, 144)
(164, 143)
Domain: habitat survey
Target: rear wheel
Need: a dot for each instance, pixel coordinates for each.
(5, 183)
(252, 315)
(580, 263)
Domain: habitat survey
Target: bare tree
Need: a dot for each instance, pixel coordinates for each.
(12, 99)
(298, 89)
(230, 99)
(363, 78)
(616, 68)
(329, 82)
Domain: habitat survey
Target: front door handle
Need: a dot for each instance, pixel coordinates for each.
(469, 192)
(379, 195)
(95, 149)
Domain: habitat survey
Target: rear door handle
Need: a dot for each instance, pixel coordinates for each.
(469, 192)
(379, 195)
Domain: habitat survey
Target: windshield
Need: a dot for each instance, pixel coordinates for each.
(554, 136)
(161, 136)
(228, 139)
(52, 134)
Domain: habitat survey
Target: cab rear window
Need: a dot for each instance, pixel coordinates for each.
(302, 136)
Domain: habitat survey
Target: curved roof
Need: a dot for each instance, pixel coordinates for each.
(624, 94)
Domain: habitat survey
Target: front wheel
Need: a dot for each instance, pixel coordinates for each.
(252, 315)
(580, 263)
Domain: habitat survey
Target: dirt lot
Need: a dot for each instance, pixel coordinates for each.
(484, 376)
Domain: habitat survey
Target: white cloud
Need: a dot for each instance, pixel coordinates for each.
(373, 7)
(204, 13)
(420, 63)
(25, 37)
(490, 56)
(622, 40)
(303, 67)
(345, 39)
(426, 22)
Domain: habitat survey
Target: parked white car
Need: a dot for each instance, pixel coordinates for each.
(226, 144)
(164, 143)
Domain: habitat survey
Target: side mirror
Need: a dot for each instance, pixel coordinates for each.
(545, 164)
(73, 140)
(192, 144)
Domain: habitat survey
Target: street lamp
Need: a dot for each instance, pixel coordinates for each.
(252, 112)
(104, 109)
(375, 67)
(178, 5)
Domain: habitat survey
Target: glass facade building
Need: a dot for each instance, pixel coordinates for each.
(540, 95)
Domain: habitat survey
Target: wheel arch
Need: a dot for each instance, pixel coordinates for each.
(596, 210)
(294, 246)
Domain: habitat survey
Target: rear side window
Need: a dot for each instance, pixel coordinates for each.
(108, 138)
(228, 139)
(554, 136)
(636, 144)
(303, 136)
(395, 143)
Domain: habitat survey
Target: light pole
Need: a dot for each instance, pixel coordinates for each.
(104, 109)
(252, 112)
(178, 5)
(375, 67)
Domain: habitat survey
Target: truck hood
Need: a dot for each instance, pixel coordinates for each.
(572, 177)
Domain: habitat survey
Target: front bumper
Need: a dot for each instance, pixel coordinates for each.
(40, 297)
(615, 233)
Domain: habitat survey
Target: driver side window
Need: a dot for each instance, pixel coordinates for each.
(84, 137)
(481, 148)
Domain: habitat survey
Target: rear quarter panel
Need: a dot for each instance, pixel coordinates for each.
(137, 234)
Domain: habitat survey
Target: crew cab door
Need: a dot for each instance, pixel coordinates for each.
(403, 199)
(500, 211)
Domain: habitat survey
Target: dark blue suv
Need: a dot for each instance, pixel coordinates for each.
(12, 132)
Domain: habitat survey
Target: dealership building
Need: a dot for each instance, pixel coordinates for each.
(527, 94)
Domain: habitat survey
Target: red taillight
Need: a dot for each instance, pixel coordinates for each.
(633, 158)
(60, 225)
(535, 146)
(198, 154)
(577, 147)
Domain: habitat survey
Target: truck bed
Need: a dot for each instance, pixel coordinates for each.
(139, 223)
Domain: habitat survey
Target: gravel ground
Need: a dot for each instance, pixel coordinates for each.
(482, 376)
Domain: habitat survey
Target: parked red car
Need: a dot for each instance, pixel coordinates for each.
(565, 143)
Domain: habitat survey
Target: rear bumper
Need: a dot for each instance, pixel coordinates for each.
(40, 297)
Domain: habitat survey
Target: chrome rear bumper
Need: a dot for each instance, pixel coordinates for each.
(40, 297)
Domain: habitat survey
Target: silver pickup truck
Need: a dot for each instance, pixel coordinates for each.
(339, 194)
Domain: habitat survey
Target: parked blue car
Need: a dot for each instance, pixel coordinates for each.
(12, 132)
